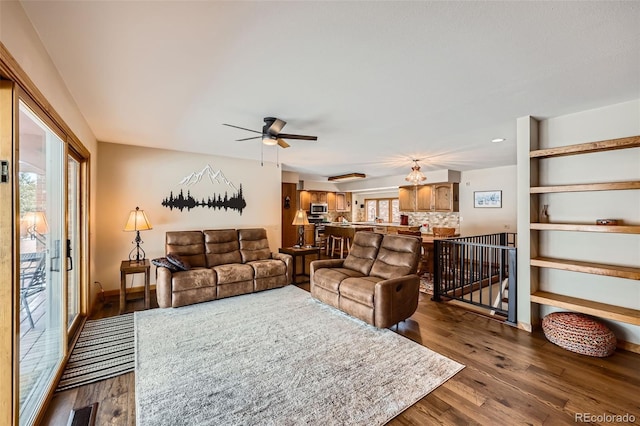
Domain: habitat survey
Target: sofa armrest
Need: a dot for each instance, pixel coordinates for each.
(320, 264)
(163, 286)
(288, 261)
(396, 299)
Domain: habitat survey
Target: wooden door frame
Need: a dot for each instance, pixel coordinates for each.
(12, 75)
(9, 374)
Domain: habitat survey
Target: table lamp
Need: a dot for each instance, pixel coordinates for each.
(300, 221)
(138, 221)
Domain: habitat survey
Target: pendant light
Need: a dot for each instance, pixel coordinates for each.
(416, 176)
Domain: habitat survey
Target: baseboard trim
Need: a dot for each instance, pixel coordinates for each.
(628, 346)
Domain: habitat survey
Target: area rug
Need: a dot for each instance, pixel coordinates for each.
(104, 349)
(276, 357)
(426, 283)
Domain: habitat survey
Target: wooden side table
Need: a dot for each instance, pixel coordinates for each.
(302, 252)
(135, 267)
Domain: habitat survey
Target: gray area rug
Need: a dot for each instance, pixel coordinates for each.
(104, 349)
(277, 357)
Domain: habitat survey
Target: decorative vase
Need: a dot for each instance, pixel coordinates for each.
(544, 214)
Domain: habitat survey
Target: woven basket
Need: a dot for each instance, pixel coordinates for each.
(579, 333)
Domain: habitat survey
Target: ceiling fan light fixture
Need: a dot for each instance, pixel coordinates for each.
(416, 176)
(269, 140)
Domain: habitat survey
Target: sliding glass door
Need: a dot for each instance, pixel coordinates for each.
(43, 258)
(74, 240)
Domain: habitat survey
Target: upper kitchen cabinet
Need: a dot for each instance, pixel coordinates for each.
(407, 198)
(343, 201)
(312, 197)
(331, 201)
(305, 200)
(424, 198)
(441, 197)
(318, 197)
(446, 197)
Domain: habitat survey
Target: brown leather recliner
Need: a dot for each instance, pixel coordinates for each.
(223, 263)
(377, 281)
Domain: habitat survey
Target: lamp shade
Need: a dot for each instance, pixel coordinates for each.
(301, 218)
(138, 221)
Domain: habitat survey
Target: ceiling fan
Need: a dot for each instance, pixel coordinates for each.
(271, 133)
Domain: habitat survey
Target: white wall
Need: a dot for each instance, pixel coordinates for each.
(479, 221)
(610, 122)
(131, 176)
(21, 40)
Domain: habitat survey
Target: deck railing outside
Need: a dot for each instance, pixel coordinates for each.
(479, 270)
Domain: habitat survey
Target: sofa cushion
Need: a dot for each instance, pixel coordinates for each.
(178, 262)
(253, 244)
(360, 289)
(233, 272)
(268, 268)
(221, 247)
(330, 278)
(187, 244)
(193, 278)
(398, 256)
(363, 251)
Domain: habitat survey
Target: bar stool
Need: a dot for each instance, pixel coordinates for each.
(331, 245)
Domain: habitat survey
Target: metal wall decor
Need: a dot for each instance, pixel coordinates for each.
(221, 200)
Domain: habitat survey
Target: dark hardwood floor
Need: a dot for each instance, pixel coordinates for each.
(511, 377)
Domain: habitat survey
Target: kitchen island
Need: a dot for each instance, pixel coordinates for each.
(383, 227)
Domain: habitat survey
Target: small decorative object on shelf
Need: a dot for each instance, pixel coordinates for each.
(607, 222)
(544, 214)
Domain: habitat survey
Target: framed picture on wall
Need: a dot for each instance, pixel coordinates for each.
(487, 199)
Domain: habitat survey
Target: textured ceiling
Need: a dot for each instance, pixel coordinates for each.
(377, 82)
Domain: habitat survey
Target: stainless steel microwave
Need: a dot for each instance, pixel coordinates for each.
(319, 208)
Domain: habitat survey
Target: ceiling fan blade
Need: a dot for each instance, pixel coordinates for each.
(277, 126)
(242, 128)
(247, 139)
(301, 137)
(283, 144)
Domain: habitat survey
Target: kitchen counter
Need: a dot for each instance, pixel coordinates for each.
(381, 228)
(394, 224)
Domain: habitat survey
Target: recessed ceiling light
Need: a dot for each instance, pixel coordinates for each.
(497, 140)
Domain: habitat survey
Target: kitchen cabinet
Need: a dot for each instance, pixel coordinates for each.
(318, 197)
(407, 198)
(440, 197)
(424, 198)
(331, 201)
(310, 235)
(341, 202)
(446, 197)
(581, 302)
(305, 200)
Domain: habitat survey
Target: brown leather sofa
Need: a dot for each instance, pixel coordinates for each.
(222, 263)
(376, 282)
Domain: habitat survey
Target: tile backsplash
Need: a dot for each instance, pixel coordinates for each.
(439, 219)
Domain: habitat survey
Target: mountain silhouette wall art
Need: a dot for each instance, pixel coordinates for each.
(219, 200)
